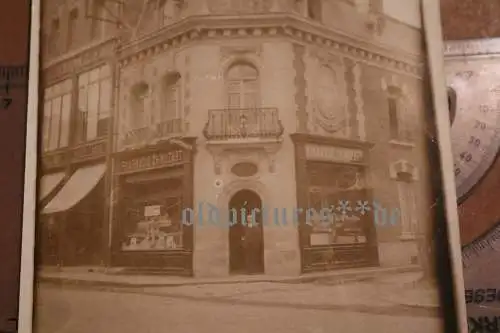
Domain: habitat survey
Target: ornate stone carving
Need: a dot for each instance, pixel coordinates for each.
(330, 97)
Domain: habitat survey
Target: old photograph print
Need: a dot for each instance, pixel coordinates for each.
(236, 166)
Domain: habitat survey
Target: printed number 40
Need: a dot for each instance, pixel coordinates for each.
(5, 102)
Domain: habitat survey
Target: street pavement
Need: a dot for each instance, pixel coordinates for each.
(244, 307)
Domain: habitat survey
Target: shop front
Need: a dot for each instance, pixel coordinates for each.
(50, 182)
(337, 228)
(74, 217)
(151, 189)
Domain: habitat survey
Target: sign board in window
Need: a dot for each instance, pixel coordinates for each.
(154, 210)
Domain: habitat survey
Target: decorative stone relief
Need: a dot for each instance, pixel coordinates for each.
(358, 89)
(228, 52)
(403, 166)
(329, 98)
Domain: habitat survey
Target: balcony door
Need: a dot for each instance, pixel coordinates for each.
(243, 98)
(243, 86)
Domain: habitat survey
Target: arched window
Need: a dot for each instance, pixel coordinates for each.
(242, 86)
(139, 96)
(171, 93)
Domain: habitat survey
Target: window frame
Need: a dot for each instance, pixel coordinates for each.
(64, 90)
(83, 89)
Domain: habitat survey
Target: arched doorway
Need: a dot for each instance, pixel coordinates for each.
(246, 246)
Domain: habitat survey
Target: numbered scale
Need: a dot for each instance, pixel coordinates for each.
(472, 70)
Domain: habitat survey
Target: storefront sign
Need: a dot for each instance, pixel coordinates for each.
(154, 210)
(333, 154)
(54, 160)
(151, 161)
(89, 151)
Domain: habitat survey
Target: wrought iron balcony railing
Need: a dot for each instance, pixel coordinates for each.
(145, 135)
(228, 124)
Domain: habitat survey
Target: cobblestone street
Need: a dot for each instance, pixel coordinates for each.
(248, 307)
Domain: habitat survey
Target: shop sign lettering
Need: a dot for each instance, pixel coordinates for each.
(151, 161)
(333, 154)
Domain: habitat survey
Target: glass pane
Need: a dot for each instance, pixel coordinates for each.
(68, 85)
(250, 100)
(65, 120)
(242, 71)
(234, 101)
(105, 96)
(94, 75)
(83, 79)
(105, 72)
(93, 109)
(54, 123)
(46, 125)
(82, 99)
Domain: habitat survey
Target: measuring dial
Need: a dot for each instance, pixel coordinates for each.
(473, 77)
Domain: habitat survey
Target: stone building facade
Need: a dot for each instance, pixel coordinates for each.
(267, 107)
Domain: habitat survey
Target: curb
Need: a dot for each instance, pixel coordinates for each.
(330, 279)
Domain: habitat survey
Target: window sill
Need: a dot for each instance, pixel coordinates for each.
(407, 237)
(402, 143)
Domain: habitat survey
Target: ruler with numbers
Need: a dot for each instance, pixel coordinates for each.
(472, 70)
(15, 26)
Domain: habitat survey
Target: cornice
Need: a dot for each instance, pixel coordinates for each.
(88, 48)
(200, 28)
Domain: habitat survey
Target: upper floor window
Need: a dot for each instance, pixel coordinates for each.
(53, 39)
(172, 97)
(73, 28)
(139, 98)
(56, 116)
(169, 10)
(243, 86)
(315, 10)
(399, 124)
(98, 15)
(94, 103)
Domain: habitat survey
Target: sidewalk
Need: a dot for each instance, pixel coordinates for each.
(115, 278)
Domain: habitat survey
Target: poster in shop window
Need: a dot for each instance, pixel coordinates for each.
(276, 165)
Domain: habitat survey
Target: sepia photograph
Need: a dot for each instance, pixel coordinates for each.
(242, 165)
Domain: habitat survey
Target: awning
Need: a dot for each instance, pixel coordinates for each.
(81, 182)
(48, 183)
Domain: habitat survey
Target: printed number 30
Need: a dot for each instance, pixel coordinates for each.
(5, 102)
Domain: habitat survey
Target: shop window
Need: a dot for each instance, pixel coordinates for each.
(73, 29)
(94, 104)
(153, 220)
(138, 99)
(242, 86)
(315, 10)
(331, 207)
(56, 116)
(407, 204)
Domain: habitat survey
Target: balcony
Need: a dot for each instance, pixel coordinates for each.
(238, 124)
(403, 137)
(152, 134)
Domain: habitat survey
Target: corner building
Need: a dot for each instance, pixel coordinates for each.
(276, 105)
